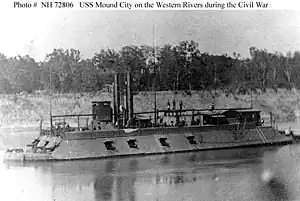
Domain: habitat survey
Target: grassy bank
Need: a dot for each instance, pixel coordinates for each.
(27, 110)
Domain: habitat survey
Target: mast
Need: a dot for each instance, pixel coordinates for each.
(154, 84)
(51, 131)
(215, 83)
(251, 104)
(215, 79)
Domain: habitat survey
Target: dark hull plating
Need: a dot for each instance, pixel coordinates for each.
(91, 145)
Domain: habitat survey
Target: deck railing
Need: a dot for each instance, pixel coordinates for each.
(194, 113)
(177, 112)
(161, 128)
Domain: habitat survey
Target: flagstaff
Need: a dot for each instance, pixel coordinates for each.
(154, 84)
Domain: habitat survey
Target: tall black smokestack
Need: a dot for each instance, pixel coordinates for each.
(129, 98)
(117, 96)
(115, 109)
(126, 101)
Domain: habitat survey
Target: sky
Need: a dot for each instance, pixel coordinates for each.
(38, 32)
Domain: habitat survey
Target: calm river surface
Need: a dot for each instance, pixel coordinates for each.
(214, 175)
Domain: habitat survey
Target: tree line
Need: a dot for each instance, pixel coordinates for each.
(170, 67)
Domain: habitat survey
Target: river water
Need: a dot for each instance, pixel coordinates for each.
(213, 175)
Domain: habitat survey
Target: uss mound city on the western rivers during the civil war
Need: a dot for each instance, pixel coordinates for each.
(116, 131)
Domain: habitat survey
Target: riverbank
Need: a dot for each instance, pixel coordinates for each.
(23, 111)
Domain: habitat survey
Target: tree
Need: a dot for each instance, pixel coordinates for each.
(168, 67)
(6, 80)
(261, 63)
(108, 61)
(296, 69)
(133, 60)
(186, 53)
(64, 65)
(176, 67)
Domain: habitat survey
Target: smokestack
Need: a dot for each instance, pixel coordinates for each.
(114, 104)
(117, 96)
(126, 102)
(129, 97)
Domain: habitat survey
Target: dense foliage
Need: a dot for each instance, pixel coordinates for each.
(180, 67)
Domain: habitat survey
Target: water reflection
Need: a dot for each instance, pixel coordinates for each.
(193, 176)
(175, 178)
(114, 186)
(103, 187)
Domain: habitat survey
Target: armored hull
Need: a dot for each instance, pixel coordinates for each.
(146, 141)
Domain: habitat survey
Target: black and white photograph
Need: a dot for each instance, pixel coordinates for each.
(149, 105)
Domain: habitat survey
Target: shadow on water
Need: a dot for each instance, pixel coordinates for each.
(277, 190)
(135, 164)
(114, 186)
(148, 178)
(175, 178)
(103, 187)
(280, 174)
